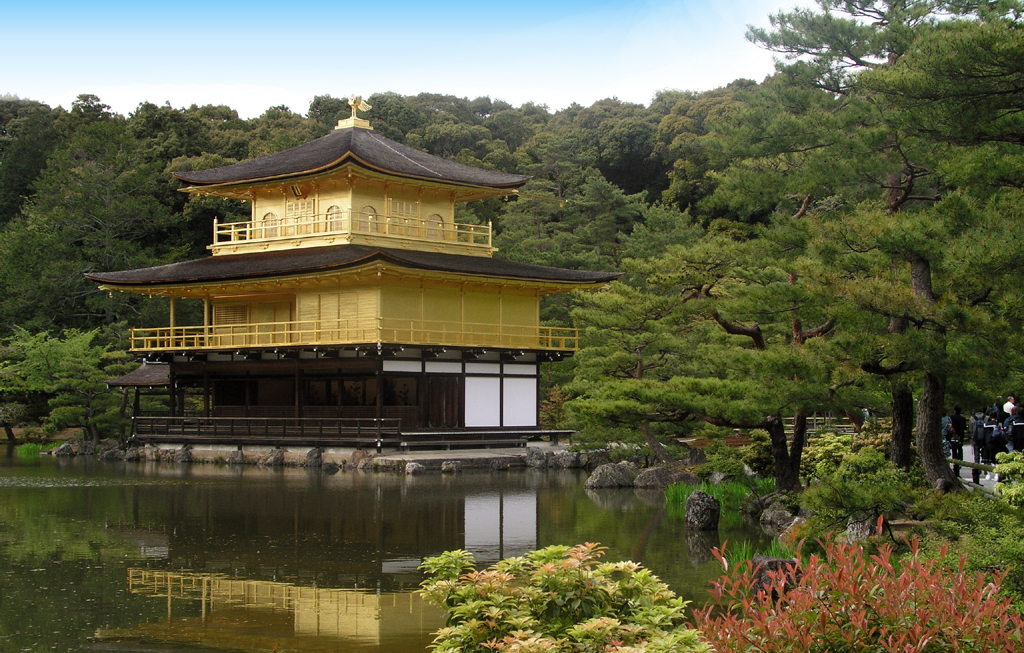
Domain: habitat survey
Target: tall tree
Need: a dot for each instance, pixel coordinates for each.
(828, 49)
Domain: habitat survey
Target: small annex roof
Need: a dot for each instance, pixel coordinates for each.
(360, 146)
(146, 375)
(259, 265)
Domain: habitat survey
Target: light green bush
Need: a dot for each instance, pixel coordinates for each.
(558, 599)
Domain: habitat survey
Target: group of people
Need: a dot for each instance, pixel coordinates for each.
(996, 429)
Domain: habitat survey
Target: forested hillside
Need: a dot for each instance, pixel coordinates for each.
(844, 235)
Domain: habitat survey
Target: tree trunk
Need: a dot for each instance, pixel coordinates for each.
(902, 425)
(9, 431)
(929, 433)
(123, 414)
(657, 447)
(787, 474)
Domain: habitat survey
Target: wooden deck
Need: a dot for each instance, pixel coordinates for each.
(327, 432)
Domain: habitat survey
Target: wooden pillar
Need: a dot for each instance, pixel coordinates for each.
(174, 317)
(173, 395)
(206, 391)
(298, 390)
(380, 387)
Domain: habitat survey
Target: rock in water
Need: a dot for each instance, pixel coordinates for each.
(662, 477)
(133, 455)
(702, 512)
(500, 464)
(776, 519)
(535, 458)
(183, 455)
(273, 459)
(357, 457)
(612, 475)
(567, 460)
(314, 457)
(330, 469)
(766, 567)
(414, 468)
(451, 467)
(236, 458)
(64, 450)
(112, 455)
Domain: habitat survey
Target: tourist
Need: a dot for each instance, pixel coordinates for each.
(1009, 406)
(995, 440)
(1015, 435)
(978, 441)
(958, 428)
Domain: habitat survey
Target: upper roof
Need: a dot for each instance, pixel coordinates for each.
(360, 146)
(288, 262)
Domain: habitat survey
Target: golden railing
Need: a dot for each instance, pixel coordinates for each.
(351, 222)
(301, 333)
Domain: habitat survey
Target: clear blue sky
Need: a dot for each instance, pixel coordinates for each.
(258, 54)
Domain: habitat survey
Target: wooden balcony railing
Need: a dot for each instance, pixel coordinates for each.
(303, 333)
(350, 223)
(270, 430)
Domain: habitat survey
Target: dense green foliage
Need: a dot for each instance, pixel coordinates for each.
(559, 599)
(837, 237)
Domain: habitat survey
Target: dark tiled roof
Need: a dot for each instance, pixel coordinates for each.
(361, 146)
(147, 374)
(234, 267)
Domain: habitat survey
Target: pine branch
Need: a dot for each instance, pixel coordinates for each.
(753, 332)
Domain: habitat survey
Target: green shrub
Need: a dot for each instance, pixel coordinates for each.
(559, 599)
(1011, 477)
(758, 456)
(823, 454)
(984, 531)
(722, 458)
(847, 601)
(863, 487)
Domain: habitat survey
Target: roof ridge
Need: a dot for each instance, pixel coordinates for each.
(383, 141)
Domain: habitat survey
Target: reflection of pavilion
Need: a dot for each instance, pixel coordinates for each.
(369, 531)
(243, 614)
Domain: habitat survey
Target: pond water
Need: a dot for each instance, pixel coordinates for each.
(161, 557)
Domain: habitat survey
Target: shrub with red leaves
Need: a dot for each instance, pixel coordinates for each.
(846, 601)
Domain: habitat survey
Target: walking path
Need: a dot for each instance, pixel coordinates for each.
(965, 472)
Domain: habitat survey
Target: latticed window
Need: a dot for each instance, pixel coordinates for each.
(227, 314)
(334, 216)
(400, 209)
(270, 225)
(368, 219)
(299, 209)
(435, 224)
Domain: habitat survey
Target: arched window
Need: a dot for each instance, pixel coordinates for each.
(334, 219)
(435, 227)
(270, 225)
(368, 220)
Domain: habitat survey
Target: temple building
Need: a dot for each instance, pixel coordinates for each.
(352, 305)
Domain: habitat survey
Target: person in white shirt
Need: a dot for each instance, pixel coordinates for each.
(1009, 405)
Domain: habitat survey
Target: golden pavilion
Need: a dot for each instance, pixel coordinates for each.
(351, 307)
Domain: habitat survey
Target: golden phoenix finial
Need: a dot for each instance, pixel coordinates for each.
(358, 104)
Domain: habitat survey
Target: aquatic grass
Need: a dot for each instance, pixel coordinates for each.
(28, 450)
(729, 495)
(746, 550)
(31, 450)
(763, 486)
